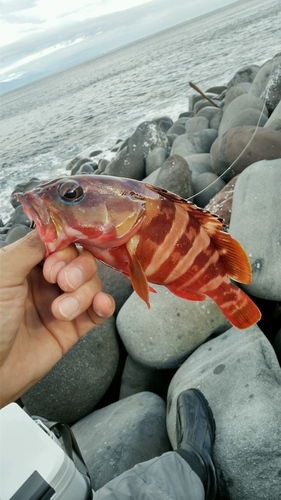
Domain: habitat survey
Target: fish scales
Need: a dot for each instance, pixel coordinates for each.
(150, 235)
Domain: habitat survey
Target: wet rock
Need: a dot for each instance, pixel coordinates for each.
(236, 91)
(175, 176)
(205, 187)
(155, 159)
(85, 168)
(239, 374)
(163, 336)
(78, 381)
(213, 116)
(255, 223)
(272, 91)
(198, 142)
(277, 345)
(244, 146)
(274, 121)
(22, 187)
(198, 164)
(130, 165)
(117, 437)
(221, 203)
(15, 233)
(147, 136)
(115, 283)
(245, 74)
(196, 124)
(137, 378)
(19, 217)
(263, 76)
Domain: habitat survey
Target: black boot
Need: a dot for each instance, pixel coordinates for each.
(195, 437)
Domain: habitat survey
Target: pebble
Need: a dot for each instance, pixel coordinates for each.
(76, 384)
(239, 374)
(115, 438)
(255, 223)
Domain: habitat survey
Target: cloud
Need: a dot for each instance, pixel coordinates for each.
(10, 6)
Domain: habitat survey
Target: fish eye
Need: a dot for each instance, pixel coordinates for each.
(71, 192)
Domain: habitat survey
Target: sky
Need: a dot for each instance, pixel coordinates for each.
(41, 37)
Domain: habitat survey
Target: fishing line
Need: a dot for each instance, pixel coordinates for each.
(243, 150)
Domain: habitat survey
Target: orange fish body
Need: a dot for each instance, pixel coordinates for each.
(150, 235)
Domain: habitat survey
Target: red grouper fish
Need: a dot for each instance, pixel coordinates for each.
(148, 234)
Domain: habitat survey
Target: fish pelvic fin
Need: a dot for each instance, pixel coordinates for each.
(237, 307)
(137, 276)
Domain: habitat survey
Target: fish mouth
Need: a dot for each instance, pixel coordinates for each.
(38, 213)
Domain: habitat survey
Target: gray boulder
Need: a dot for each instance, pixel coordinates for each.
(263, 76)
(197, 142)
(241, 146)
(245, 74)
(198, 164)
(205, 187)
(165, 335)
(272, 91)
(255, 223)
(244, 110)
(239, 374)
(147, 136)
(155, 159)
(196, 124)
(78, 381)
(128, 165)
(175, 176)
(15, 233)
(116, 284)
(117, 437)
(274, 121)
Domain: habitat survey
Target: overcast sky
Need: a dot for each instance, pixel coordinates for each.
(39, 37)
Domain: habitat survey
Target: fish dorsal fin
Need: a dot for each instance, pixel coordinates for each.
(137, 276)
(234, 258)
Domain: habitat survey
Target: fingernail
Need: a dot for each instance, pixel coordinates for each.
(55, 271)
(109, 303)
(68, 307)
(74, 277)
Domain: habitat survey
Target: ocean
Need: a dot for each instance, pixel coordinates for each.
(46, 123)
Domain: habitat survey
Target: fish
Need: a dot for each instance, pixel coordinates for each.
(150, 235)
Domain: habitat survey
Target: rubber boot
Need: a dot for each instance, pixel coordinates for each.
(195, 437)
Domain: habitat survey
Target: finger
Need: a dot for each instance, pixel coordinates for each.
(20, 257)
(68, 306)
(56, 261)
(77, 272)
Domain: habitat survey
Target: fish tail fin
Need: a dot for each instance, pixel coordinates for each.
(237, 307)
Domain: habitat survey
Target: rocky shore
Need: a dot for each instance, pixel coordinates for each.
(119, 384)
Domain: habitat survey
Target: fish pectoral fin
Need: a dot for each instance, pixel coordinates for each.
(137, 276)
(186, 294)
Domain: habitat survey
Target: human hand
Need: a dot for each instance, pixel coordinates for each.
(44, 311)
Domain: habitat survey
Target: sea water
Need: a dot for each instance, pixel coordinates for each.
(46, 123)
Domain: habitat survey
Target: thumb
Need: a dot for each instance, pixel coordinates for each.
(17, 259)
